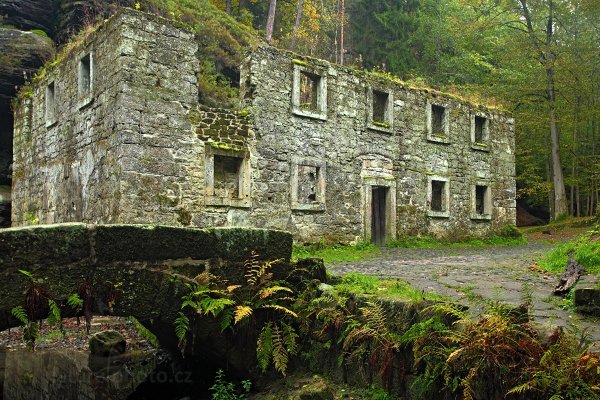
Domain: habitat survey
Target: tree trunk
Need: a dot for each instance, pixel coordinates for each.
(271, 20)
(342, 19)
(228, 7)
(297, 24)
(547, 58)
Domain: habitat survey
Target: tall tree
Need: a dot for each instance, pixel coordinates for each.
(342, 23)
(297, 24)
(271, 20)
(546, 53)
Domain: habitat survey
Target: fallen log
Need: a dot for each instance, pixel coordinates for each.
(569, 277)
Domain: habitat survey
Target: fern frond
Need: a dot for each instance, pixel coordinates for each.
(280, 354)
(281, 308)
(242, 312)
(205, 278)
(182, 326)
(264, 346)
(375, 316)
(26, 273)
(74, 301)
(290, 338)
(54, 317)
(226, 318)
(232, 288)
(211, 306)
(522, 388)
(270, 291)
(19, 313)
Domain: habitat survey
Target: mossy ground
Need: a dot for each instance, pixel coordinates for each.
(585, 250)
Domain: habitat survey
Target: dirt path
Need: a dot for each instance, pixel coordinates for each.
(471, 275)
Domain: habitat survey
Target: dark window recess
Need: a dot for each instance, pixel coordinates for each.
(480, 192)
(307, 184)
(380, 105)
(309, 85)
(479, 129)
(50, 104)
(437, 195)
(85, 75)
(437, 120)
(227, 176)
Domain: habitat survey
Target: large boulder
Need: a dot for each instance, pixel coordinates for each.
(107, 343)
(28, 14)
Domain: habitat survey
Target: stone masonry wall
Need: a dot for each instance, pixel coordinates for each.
(64, 167)
(360, 155)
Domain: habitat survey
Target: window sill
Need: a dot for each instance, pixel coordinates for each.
(481, 217)
(438, 214)
(438, 139)
(380, 128)
(85, 102)
(309, 114)
(480, 147)
(317, 207)
(51, 123)
(227, 202)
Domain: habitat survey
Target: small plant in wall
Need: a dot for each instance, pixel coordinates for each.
(225, 390)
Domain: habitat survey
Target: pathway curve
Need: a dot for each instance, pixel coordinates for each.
(470, 275)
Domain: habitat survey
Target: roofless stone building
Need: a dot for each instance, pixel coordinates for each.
(114, 133)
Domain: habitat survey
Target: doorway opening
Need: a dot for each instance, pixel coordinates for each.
(378, 214)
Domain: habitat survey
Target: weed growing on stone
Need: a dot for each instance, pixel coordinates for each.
(430, 242)
(225, 390)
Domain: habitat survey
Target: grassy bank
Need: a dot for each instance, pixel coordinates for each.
(585, 250)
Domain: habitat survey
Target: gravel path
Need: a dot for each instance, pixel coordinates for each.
(470, 275)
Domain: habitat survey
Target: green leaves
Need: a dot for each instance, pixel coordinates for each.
(19, 313)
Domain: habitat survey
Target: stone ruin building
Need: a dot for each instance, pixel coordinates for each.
(114, 133)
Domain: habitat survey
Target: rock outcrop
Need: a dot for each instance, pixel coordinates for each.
(28, 14)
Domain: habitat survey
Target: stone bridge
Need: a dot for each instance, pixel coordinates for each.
(144, 265)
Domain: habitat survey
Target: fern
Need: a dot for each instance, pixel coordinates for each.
(226, 319)
(280, 354)
(264, 346)
(242, 312)
(19, 313)
(290, 338)
(55, 317)
(74, 301)
(26, 273)
(211, 306)
(283, 309)
(182, 327)
(271, 290)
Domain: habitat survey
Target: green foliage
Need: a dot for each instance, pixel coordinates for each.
(509, 236)
(29, 328)
(19, 313)
(26, 273)
(145, 333)
(75, 302)
(182, 327)
(336, 253)
(39, 32)
(54, 316)
(224, 390)
(355, 283)
(585, 250)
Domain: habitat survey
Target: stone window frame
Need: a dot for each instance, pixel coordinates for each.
(85, 96)
(243, 199)
(445, 200)
(446, 123)
(483, 145)
(389, 112)
(50, 104)
(488, 204)
(319, 204)
(321, 112)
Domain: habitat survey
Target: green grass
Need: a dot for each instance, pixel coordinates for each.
(562, 224)
(392, 289)
(336, 253)
(584, 249)
(429, 242)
